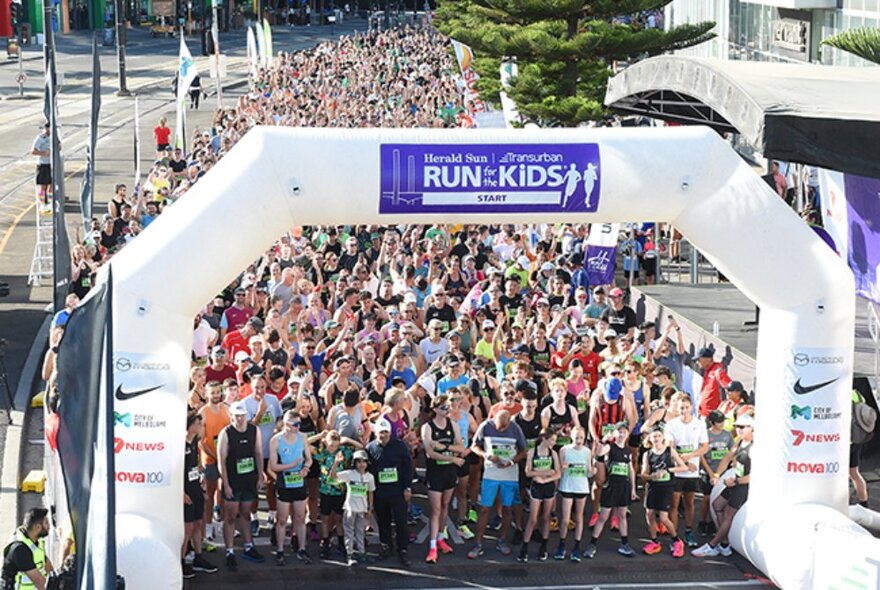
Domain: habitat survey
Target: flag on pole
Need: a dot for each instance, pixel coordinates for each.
(87, 190)
(252, 55)
(186, 73)
(601, 247)
(85, 436)
(465, 56)
(261, 45)
(267, 39)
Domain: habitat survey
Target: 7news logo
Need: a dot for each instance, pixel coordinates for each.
(800, 437)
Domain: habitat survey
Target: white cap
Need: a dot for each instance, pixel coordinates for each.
(381, 425)
(523, 261)
(241, 356)
(745, 420)
(548, 266)
(488, 324)
(609, 333)
(238, 409)
(426, 382)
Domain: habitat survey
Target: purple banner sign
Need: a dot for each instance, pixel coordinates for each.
(599, 264)
(474, 178)
(863, 211)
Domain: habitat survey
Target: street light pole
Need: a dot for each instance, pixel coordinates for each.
(215, 33)
(120, 47)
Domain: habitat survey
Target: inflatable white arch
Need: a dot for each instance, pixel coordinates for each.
(279, 177)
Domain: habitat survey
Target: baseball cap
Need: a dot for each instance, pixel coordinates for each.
(382, 425)
(715, 417)
(745, 420)
(523, 261)
(256, 324)
(218, 351)
(454, 334)
(735, 386)
(616, 292)
(609, 333)
(393, 326)
(543, 301)
(488, 324)
(241, 356)
(525, 386)
(548, 266)
(239, 290)
(360, 455)
(520, 349)
(599, 291)
(330, 324)
(426, 382)
(706, 353)
(612, 389)
(435, 323)
(238, 409)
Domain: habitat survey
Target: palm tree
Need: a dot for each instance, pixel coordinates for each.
(864, 43)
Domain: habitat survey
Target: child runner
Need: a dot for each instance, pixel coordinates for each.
(576, 462)
(619, 489)
(542, 466)
(658, 465)
(358, 503)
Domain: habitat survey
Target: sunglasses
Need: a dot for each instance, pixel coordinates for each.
(293, 424)
(443, 408)
(741, 426)
(614, 373)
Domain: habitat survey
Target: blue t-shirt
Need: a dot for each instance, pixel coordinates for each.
(408, 376)
(446, 383)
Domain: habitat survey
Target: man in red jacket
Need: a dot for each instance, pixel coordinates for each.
(714, 378)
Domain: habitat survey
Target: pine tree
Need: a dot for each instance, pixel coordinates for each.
(864, 43)
(564, 49)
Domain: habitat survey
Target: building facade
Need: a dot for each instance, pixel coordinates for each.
(776, 30)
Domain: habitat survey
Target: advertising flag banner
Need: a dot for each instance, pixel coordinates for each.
(504, 178)
(186, 73)
(87, 190)
(601, 247)
(465, 57)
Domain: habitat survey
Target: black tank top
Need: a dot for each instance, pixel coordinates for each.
(542, 463)
(619, 463)
(744, 461)
(241, 461)
(307, 426)
(659, 463)
(191, 471)
(531, 428)
(562, 424)
(444, 436)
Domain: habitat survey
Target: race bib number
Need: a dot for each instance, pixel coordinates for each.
(531, 444)
(293, 479)
(243, 466)
(542, 463)
(717, 454)
(267, 418)
(444, 462)
(561, 441)
(740, 471)
(193, 474)
(662, 477)
(87, 282)
(683, 450)
(618, 468)
(388, 475)
(577, 471)
(582, 406)
(358, 490)
(505, 453)
(608, 429)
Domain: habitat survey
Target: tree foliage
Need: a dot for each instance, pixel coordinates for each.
(564, 49)
(864, 43)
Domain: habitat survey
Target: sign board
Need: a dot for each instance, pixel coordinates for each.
(479, 178)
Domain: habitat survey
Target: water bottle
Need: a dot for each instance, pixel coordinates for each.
(715, 328)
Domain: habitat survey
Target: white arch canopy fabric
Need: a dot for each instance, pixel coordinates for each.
(275, 178)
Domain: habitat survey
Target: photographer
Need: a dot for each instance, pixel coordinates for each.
(25, 564)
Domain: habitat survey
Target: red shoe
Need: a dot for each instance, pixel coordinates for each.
(678, 549)
(443, 546)
(432, 556)
(594, 519)
(615, 523)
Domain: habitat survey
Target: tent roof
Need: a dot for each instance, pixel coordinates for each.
(811, 114)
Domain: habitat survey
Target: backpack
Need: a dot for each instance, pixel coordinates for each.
(864, 419)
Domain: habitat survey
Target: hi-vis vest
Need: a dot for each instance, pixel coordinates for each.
(22, 582)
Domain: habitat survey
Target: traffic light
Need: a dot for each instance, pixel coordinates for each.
(15, 15)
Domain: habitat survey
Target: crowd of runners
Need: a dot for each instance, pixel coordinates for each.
(351, 368)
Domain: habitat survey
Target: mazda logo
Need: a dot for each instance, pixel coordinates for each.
(801, 359)
(123, 364)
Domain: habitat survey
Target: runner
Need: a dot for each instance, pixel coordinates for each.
(467, 426)
(443, 450)
(290, 459)
(690, 440)
(263, 412)
(542, 467)
(658, 465)
(720, 443)
(576, 462)
(193, 502)
(215, 417)
(391, 466)
(240, 452)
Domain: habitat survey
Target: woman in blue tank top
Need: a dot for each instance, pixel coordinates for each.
(635, 385)
(290, 459)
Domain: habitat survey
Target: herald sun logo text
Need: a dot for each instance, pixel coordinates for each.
(801, 437)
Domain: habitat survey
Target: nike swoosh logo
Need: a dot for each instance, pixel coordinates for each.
(803, 389)
(127, 395)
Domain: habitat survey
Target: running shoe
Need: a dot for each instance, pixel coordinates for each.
(252, 554)
(443, 546)
(364, 559)
(495, 523)
(594, 519)
(432, 556)
(231, 562)
(689, 539)
(200, 564)
(415, 511)
(384, 552)
(705, 551)
(615, 523)
(542, 553)
(678, 548)
(279, 558)
(217, 513)
(725, 550)
(472, 515)
(325, 551)
(209, 546)
(403, 558)
(304, 556)
(590, 551)
(465, 532)
(255, 526)
(576, 556)
(560, 553)
(554, 525)
(626, 550)
(652, 548)
(188, 572)
(523, 556)
(352, 562)
(476, 551)
(503, 547)
(341, 552)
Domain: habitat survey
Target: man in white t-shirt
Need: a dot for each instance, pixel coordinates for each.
(691, 441)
